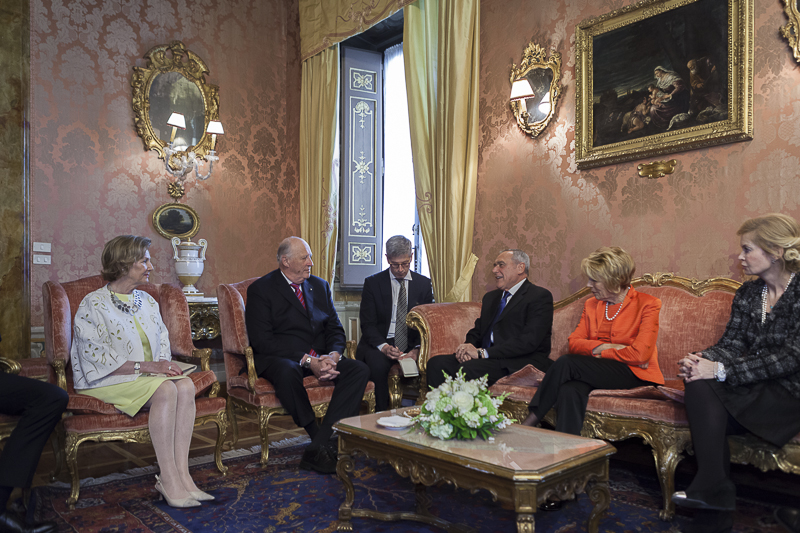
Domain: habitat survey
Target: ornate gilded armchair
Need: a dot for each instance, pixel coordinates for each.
(90, 419)
(250, 392)
(442, 328)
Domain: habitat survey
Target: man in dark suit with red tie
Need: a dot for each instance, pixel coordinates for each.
(386, 299)
(513, 329)
(295, 332)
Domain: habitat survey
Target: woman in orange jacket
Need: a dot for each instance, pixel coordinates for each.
(613, 347)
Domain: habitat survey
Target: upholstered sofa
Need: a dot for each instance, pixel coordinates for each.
(693, 316)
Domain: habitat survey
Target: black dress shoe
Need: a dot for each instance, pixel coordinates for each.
(319, 459)
(11, 523)
(550, 505)
(788, 518)
(719, 498)
(333, 449)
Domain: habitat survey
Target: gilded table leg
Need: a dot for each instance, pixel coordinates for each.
(601, 497)
(423, 500)
(343, 469)
(525, 523)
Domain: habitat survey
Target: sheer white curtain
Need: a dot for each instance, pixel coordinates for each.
(399, 197)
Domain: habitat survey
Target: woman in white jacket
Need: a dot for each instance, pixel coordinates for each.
(121, 355)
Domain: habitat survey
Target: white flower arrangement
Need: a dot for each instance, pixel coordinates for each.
(460, 409)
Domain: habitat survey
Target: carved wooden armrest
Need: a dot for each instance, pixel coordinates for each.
(414, 320)
(59, 365)
(251, 369)
(350, 349)
(204, 354)
(9, 366)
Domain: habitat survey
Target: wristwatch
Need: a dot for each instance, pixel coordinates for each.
(483, 354)
(719, 371)
(136, 366)
(306, 363)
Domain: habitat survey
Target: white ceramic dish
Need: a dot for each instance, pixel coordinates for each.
(395, 422)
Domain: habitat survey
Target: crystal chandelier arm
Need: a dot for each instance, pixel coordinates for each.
(211, 157)
(185, 166)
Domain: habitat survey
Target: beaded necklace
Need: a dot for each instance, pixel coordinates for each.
(123, 306)
(764, 298)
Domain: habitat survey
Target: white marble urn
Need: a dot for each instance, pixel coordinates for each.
(189, 258)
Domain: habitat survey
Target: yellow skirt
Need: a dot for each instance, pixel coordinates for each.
(130, 396)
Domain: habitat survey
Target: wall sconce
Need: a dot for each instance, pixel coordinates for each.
(520, 90)
(535, 89)
(189, 161)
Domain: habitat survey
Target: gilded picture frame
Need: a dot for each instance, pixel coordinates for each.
(176, 220)
(790, 31)
(652, 78)
(173, 81)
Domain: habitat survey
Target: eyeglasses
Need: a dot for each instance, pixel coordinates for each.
(400, 265)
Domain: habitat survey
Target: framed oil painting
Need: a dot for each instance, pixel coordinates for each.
(663, 76)
(176, 220)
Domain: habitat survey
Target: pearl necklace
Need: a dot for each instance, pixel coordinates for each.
(618, 310)
(764, 298)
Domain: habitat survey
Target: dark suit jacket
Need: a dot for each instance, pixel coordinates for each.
(522, 334)
(376, 308)
(278, 326)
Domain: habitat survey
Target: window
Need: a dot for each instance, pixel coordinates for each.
(378, 196)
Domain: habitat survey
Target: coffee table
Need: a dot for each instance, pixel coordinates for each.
(522, 467)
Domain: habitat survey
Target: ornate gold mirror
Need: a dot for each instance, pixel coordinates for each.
(173, 82)
(791, 31)
(544, 75)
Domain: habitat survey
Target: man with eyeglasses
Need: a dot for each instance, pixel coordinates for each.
(386, 299)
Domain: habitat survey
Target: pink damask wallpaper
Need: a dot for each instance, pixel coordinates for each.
(92, 179)
(531, 195)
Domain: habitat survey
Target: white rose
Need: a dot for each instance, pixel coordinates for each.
(463, 401)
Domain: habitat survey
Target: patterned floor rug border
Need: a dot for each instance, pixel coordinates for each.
(283, 498)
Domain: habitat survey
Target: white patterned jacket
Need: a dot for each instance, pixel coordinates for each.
(105, 338)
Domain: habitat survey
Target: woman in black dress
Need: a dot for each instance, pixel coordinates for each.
(750, 379)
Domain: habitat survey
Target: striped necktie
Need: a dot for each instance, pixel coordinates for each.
(400, 329)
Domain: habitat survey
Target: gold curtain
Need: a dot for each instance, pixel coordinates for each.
(319, 184)
(441, 48)
(324, 23)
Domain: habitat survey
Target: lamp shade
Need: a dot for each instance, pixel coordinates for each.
(520, 90)
(176, 120)
(215, 127)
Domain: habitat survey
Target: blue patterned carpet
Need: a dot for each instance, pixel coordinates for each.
(284, 498)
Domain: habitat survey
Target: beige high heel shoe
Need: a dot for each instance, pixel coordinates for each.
(184, 502)
(201, 496)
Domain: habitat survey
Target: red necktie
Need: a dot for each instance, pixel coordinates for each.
(299, 293)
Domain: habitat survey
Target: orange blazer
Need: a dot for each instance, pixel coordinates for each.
(636, 326)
